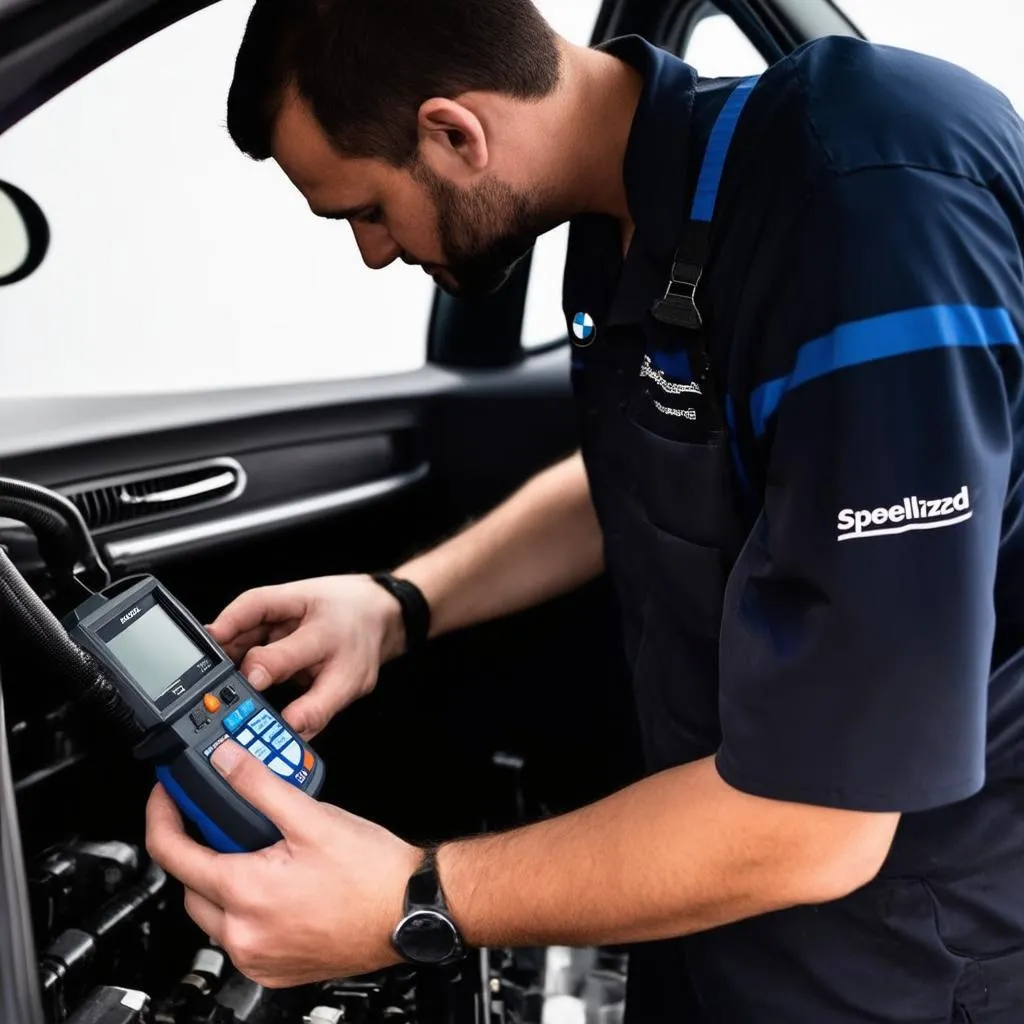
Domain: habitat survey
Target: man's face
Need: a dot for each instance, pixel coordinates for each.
(468, 239)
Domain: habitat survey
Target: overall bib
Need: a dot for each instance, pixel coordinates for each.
(669, 490)
(666, 481)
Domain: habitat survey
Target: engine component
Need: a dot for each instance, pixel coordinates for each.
(67, 966)
(72, 881)
(249, 1002)
(324, 1015)
(192, 1001)
(110, 1005)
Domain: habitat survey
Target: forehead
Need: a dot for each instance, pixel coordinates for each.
(317, 170)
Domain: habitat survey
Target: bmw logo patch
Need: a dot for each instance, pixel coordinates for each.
(584, 330)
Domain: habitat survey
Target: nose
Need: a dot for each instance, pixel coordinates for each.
(377, 248)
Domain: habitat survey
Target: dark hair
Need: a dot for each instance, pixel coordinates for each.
(366, 66)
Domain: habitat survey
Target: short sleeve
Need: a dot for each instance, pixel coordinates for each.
(859, 619)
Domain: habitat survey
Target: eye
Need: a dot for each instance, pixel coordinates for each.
(373, 216)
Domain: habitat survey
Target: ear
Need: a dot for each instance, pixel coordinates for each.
(453, 141)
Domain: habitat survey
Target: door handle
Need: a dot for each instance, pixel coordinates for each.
(222, 481)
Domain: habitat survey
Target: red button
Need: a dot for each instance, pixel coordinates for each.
(211, 703)
(308, 761)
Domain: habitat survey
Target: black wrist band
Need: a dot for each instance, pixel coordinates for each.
(425, 886)
(415, 610)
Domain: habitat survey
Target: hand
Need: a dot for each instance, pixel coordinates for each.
(331, 633)
(320, 904)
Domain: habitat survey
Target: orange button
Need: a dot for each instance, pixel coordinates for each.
(308, 761)
(211, 703)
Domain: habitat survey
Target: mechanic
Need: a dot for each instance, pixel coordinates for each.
(832, 829)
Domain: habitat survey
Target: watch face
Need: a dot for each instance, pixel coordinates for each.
(426, 937)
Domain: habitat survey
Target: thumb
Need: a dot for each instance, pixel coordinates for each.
(287, 807)
(282, 659)
(334, 688)
(311, 713)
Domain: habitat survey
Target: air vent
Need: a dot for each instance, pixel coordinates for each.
(157, 494)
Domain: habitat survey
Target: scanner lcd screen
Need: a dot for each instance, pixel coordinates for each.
(155, 651)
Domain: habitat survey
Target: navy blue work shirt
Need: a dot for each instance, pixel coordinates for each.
(864, 292)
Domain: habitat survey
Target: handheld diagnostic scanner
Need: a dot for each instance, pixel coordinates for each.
(187, 697)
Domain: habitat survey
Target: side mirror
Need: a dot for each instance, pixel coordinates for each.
(24, 234)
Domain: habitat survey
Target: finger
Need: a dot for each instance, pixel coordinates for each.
(207, 915)
(283, 659)
(262, 606)
(282, 629)
(312, 712)
(287, 807)
(196, 866)
(238, 647)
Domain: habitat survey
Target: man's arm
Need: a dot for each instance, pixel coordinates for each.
(677, 853)
(338, 630)
(673, 854)
(544, 541)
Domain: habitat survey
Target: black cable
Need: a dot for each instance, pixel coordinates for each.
(63, 536)
(25, 612)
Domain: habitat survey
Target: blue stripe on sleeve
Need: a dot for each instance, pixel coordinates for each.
(717, 150)
(880, 337)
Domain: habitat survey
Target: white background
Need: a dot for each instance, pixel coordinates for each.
(177, 264)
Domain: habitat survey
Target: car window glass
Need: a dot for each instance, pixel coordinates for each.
(175, 262)
(716, 47)
(982, 36)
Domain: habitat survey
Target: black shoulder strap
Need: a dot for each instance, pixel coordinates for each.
(678, 307)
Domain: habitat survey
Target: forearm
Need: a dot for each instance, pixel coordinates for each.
(544, 541)
(677, 853)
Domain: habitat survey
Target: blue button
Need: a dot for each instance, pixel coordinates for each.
(234, 721)
(283, 737)
(271, 732)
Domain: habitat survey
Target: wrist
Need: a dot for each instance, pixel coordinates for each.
(407, 632)
(392, 640)
(393, 909)
(427, 933)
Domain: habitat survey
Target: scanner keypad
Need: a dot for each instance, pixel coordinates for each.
(268, 741)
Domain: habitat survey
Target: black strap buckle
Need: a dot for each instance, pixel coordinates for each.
(679, 306)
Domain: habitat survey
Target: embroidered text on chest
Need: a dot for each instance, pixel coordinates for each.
(670, 387)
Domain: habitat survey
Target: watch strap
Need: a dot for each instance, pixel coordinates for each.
(415, 610)
(424, 897)
(424, 889)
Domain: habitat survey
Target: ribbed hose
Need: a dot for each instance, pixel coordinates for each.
(39, 628)
(64, 538)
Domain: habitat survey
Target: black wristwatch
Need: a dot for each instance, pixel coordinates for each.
(427, 934)
(415, 610)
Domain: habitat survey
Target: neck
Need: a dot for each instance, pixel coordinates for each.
(598, 100)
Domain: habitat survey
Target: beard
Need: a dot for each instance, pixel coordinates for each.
(484, 231)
